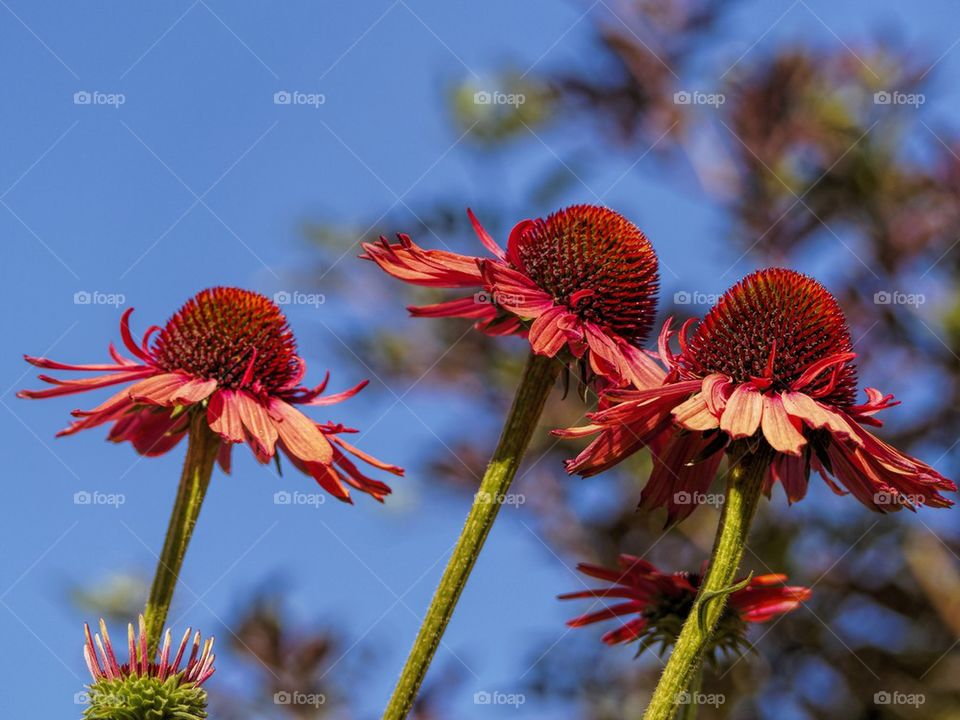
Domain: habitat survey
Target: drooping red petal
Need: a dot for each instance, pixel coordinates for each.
(262, 430)
(466, 307)
(71, 387)
(433, 268)
(779, 429)
(548, 335)
(676, 482)
(223, 416)
(299, 434)
(743, 412)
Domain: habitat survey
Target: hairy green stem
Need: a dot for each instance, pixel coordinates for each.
(538, 379)
(690, 707)
(202, 448)
(744, 488)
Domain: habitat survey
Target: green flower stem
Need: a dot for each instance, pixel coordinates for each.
(202, 448)
(538, 379)
(744, 488)
(689, 710)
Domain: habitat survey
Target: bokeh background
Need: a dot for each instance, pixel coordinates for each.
(147, 155)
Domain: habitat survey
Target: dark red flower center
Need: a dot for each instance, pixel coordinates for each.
(597, 263)
(236, 337)
(781, 313)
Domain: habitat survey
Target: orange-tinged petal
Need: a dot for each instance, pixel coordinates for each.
(259, 425)
(224, 417)
(742, 414)
(695, 415)
(779, 429)
(300, 434)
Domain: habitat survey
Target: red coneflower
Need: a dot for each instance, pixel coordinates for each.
(581, 285)
(229, 354)
(584, 280)
(661, 603)
(771, 362)
(147, 685)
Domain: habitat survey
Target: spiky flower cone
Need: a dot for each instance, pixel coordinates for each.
(147, 688)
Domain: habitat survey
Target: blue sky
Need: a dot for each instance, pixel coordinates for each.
(199, 179)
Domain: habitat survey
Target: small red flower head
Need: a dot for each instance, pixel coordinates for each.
(144, 686)
(584, 280)
(238, 338)
(230, 355)
(660, 603)
(772, 361)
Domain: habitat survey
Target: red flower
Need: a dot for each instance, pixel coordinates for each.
(583, 280)
(661, 603)
(103, 665)
(771, 361)
(228, 353)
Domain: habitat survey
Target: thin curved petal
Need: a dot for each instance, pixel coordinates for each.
(488, 242)
(433, 268)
